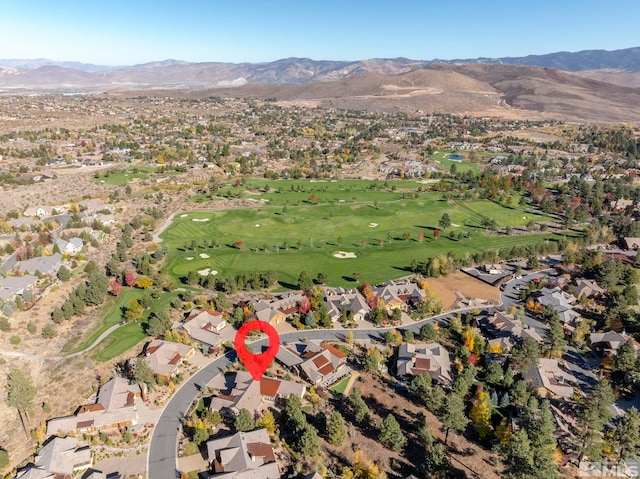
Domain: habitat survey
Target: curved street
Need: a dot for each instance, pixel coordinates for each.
(162, 458)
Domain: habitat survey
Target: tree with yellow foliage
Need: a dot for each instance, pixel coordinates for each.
(364, 468)
(480, 414)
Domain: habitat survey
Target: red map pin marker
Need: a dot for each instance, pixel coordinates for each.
(256, 364)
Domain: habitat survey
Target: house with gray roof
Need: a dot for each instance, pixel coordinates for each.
(609, 342)
(550, 380)
(60, 458)
(13, 286)
(322, 364)
(245, 455)
(400, 294)
(114, 409)
(238, 390)
(203, 326)
(47, 265)
(73, 246)
(346, 299)
(424, 358)
(165, 357)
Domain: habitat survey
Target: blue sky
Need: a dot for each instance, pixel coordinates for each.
(115, 32)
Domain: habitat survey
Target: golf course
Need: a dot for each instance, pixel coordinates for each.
(338, 228)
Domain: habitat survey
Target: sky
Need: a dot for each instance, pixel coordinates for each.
(115, 32)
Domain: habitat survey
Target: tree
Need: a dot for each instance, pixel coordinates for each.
(595, 413)
(540, 426)
(159, 322)
(436, 234)
(64, 274)
(304, 281)
(518, 456)
(428, 333)
(48, 332)
(222, 302)
(554, 342)
(4, 458)
(358, 406)
(134, 311)
(423, 431)
(130, 278)
(626, 357)
(445, 221)
(144, 282)
(310, 319)
(420, 384)
(493, 373)
(372, 360)
(480, 414)
(244, 421)
(142, 373)
(627, 434)
(115, 287)
(391, 434)
(452, 415)
(20, 394)
(267, 421)
(336, 432)
(526, 355)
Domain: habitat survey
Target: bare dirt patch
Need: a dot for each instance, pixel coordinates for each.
(446, 288)
(466, 457)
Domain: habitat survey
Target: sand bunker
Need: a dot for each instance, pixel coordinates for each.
(455, 224)
(189, 258)
(203, 255)
(207, 272)
(200, 219)
(257, 225)
(184, 215)
(373, 225)
(344, 255)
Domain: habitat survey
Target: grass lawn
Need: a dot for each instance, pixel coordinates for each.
(301, 225)
(121, 177)
(112, 315)
(341, 386)
(442, 157)
(121, 340)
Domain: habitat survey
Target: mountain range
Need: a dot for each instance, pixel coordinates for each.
(592, 84)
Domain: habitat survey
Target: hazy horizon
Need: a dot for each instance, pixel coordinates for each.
(122, 33)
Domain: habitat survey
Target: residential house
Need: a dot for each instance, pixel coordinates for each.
(93, 206)
(165, 358)
(556, 298)
(114, 409)
(60, 458)
(13, 286)
(349, 300)
(321, 364)
(632, 243)
(47, 265)
(588, 288)
(400, 294)
(424, 358)
(492, 268)
(41, 210)
(609, 342)
(550, 380)
(504, 330)
(73, 246)
(279, 308)
(203, 326)
(245, 455)
(238, 390)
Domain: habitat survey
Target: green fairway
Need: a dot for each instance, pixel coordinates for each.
(119, 341)
(442, 157)
(302, 224)
(111, 315)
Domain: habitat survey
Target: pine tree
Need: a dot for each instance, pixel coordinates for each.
(64, 274)
(20, 394)
(627, 434)
(391, 434)
(452, 415)
(244, 421)
(336, 432)
(554, 343)
(518, 457)
(359, 407)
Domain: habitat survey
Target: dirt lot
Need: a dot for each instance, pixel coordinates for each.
(464, 455)
(446, 288)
